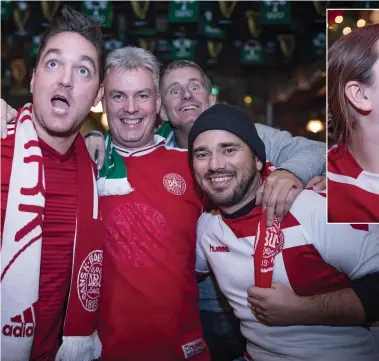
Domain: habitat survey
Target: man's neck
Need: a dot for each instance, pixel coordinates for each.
(181, 138)
(60, 144)
(132, 147)
(365, 145)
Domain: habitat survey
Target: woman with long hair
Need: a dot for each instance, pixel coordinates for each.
(353, 99)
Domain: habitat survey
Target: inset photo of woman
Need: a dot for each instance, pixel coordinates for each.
(353, 122)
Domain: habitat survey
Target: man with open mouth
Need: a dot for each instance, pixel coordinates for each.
(51, 233)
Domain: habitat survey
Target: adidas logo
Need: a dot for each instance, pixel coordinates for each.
(23, 325)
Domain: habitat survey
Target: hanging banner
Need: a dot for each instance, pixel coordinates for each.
(140, 10)
(18, 69)
(275, 12)
(6, 9)
(49, 9)
(214, 48)
(183, 49)
(147, 44)
(252, 52)
(287, 44)
(254, 27)
(183, 11)
(208, 29)
(141, 19)
(21, 15)
(99, 11)
(226, 10)
(321, 7)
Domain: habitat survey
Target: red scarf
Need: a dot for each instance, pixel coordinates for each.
(21, 252)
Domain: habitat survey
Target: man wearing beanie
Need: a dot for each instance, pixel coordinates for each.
(302, 255)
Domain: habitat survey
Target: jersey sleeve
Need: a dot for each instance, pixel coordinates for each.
(303, 157)
(201, 260)
(352, 250)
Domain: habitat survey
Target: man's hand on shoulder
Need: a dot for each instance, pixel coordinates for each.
(317, 183)
(278, 193)
(95, 143)
(7, 114)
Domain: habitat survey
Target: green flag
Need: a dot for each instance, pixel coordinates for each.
(252, 52)
(275, 12)
(183, 11)
(99, 11)
(183, 49)
(6, 10)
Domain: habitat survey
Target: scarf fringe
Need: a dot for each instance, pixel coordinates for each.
(84, 348)
(113, 186)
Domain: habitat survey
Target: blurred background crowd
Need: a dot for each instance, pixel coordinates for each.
(266, 56)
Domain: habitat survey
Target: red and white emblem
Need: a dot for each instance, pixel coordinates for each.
(89, 280)
(274, 241)
(174, 183)
(274, 244)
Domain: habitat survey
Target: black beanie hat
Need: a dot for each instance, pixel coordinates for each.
(232, 119)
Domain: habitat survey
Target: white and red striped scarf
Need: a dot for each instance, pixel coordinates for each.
(21, 253)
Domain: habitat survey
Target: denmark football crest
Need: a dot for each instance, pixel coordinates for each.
(174, 183)
(89, 280)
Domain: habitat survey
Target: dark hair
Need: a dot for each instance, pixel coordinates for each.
(72, 21)
(351, 57)
(180, 64)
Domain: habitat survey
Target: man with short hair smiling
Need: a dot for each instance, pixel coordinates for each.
(302, 255)
(149, 308)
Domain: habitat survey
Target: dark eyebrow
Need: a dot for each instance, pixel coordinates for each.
(82, 58)
(196, 79)
(199, 149)
(115, 91)
(203, 148)
(147, 90)
(90, 60)
(229, 144)
(52, 51)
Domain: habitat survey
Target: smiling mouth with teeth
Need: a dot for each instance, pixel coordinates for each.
(221, 179)
(131, 121)
(189, 107)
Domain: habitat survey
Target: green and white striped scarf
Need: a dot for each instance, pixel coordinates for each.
(113, 177)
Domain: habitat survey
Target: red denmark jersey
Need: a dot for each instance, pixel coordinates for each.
(353, 194)
(149, 307)
(57, 242)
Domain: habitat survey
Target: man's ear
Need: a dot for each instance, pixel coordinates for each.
(259, 164)
(358, 95)
(158, 103)
(32, 81)
(163, 114)
(99, 96)
(212, 99)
